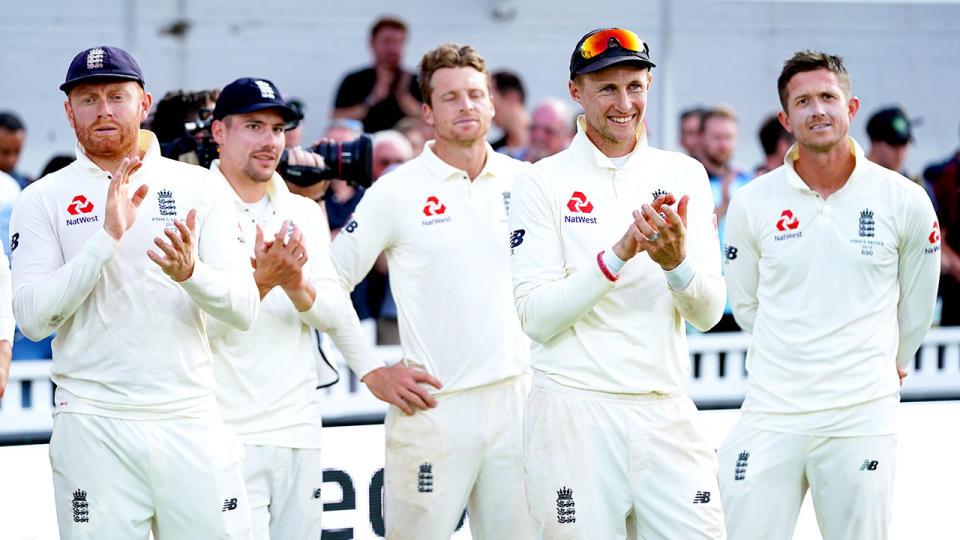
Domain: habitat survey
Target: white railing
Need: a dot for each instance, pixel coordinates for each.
(717, 379)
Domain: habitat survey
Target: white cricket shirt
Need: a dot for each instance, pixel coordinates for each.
(836, 293)
(131, 342)
(266, 376)
(445, 238)
(626, 336)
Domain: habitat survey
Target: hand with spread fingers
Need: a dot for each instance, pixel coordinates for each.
(180, 253)
(643, 233)
(665, 231)
(279, 263)
(400, 385)
(121, 209)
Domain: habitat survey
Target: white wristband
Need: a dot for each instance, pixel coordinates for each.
(680, 277)
(614, 264)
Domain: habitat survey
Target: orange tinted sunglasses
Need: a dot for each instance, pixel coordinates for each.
(600, 42)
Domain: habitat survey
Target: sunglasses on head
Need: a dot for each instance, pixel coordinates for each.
(601, 41)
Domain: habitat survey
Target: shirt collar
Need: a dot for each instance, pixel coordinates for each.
(794, 180)
(148, 145)
(443, 170)
(276, 188)
(581, 143)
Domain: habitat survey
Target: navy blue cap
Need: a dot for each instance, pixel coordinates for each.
(614, 54)
(891, 126)
(248, 95)
(103, 62)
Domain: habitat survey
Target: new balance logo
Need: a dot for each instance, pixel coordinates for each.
(316, 493)
(425, 478)
(566, 511)
(702, 497)
(740, 471)
(516, 238)
(229, 504)
(81, 510)
(869, 465)
(730, 252)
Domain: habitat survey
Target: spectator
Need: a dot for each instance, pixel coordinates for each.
(294, 132)
(9, 191)
(890, 138)
(775, 141)
(383, 93)
(945, 179)
(551, 131)
(390, 148)
(718, 128)
(181, 122)
(509, 113)
(690, 137)
(12, 135)
(416, 131)
(57, 162)
(339, 201)
(341, 197)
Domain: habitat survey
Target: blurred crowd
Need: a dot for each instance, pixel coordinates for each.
(383, 101)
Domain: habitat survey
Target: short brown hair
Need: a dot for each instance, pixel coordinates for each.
(387, 22)
(720, 111)
(803, 61)
(449, 55)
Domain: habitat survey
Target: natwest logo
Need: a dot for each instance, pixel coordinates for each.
(79, 205)
(787, 221)
(578, 203)
(433, 207)
(935, 234)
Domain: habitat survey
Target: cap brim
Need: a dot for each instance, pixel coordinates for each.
(613, 60)
(287, 113)
(67, 86)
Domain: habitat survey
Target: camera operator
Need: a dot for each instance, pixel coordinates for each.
(181, 122)
(266, 377)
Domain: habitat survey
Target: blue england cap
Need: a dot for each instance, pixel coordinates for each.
(103, 62)
(248, 95)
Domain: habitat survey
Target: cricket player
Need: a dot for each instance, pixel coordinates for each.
(128, 278)
(832, 264)
(266, 376)
(606, 273)
(441, 219)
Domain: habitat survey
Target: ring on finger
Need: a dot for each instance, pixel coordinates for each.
(654, 237)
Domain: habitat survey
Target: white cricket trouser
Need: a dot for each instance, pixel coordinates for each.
(764, 476)
(120, 479)
(464, 452)
(609, 466)
(283, 487)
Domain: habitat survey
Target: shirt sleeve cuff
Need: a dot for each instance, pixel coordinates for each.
(201, 280)
(614, 264)
(103, 246)
(680, 277)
